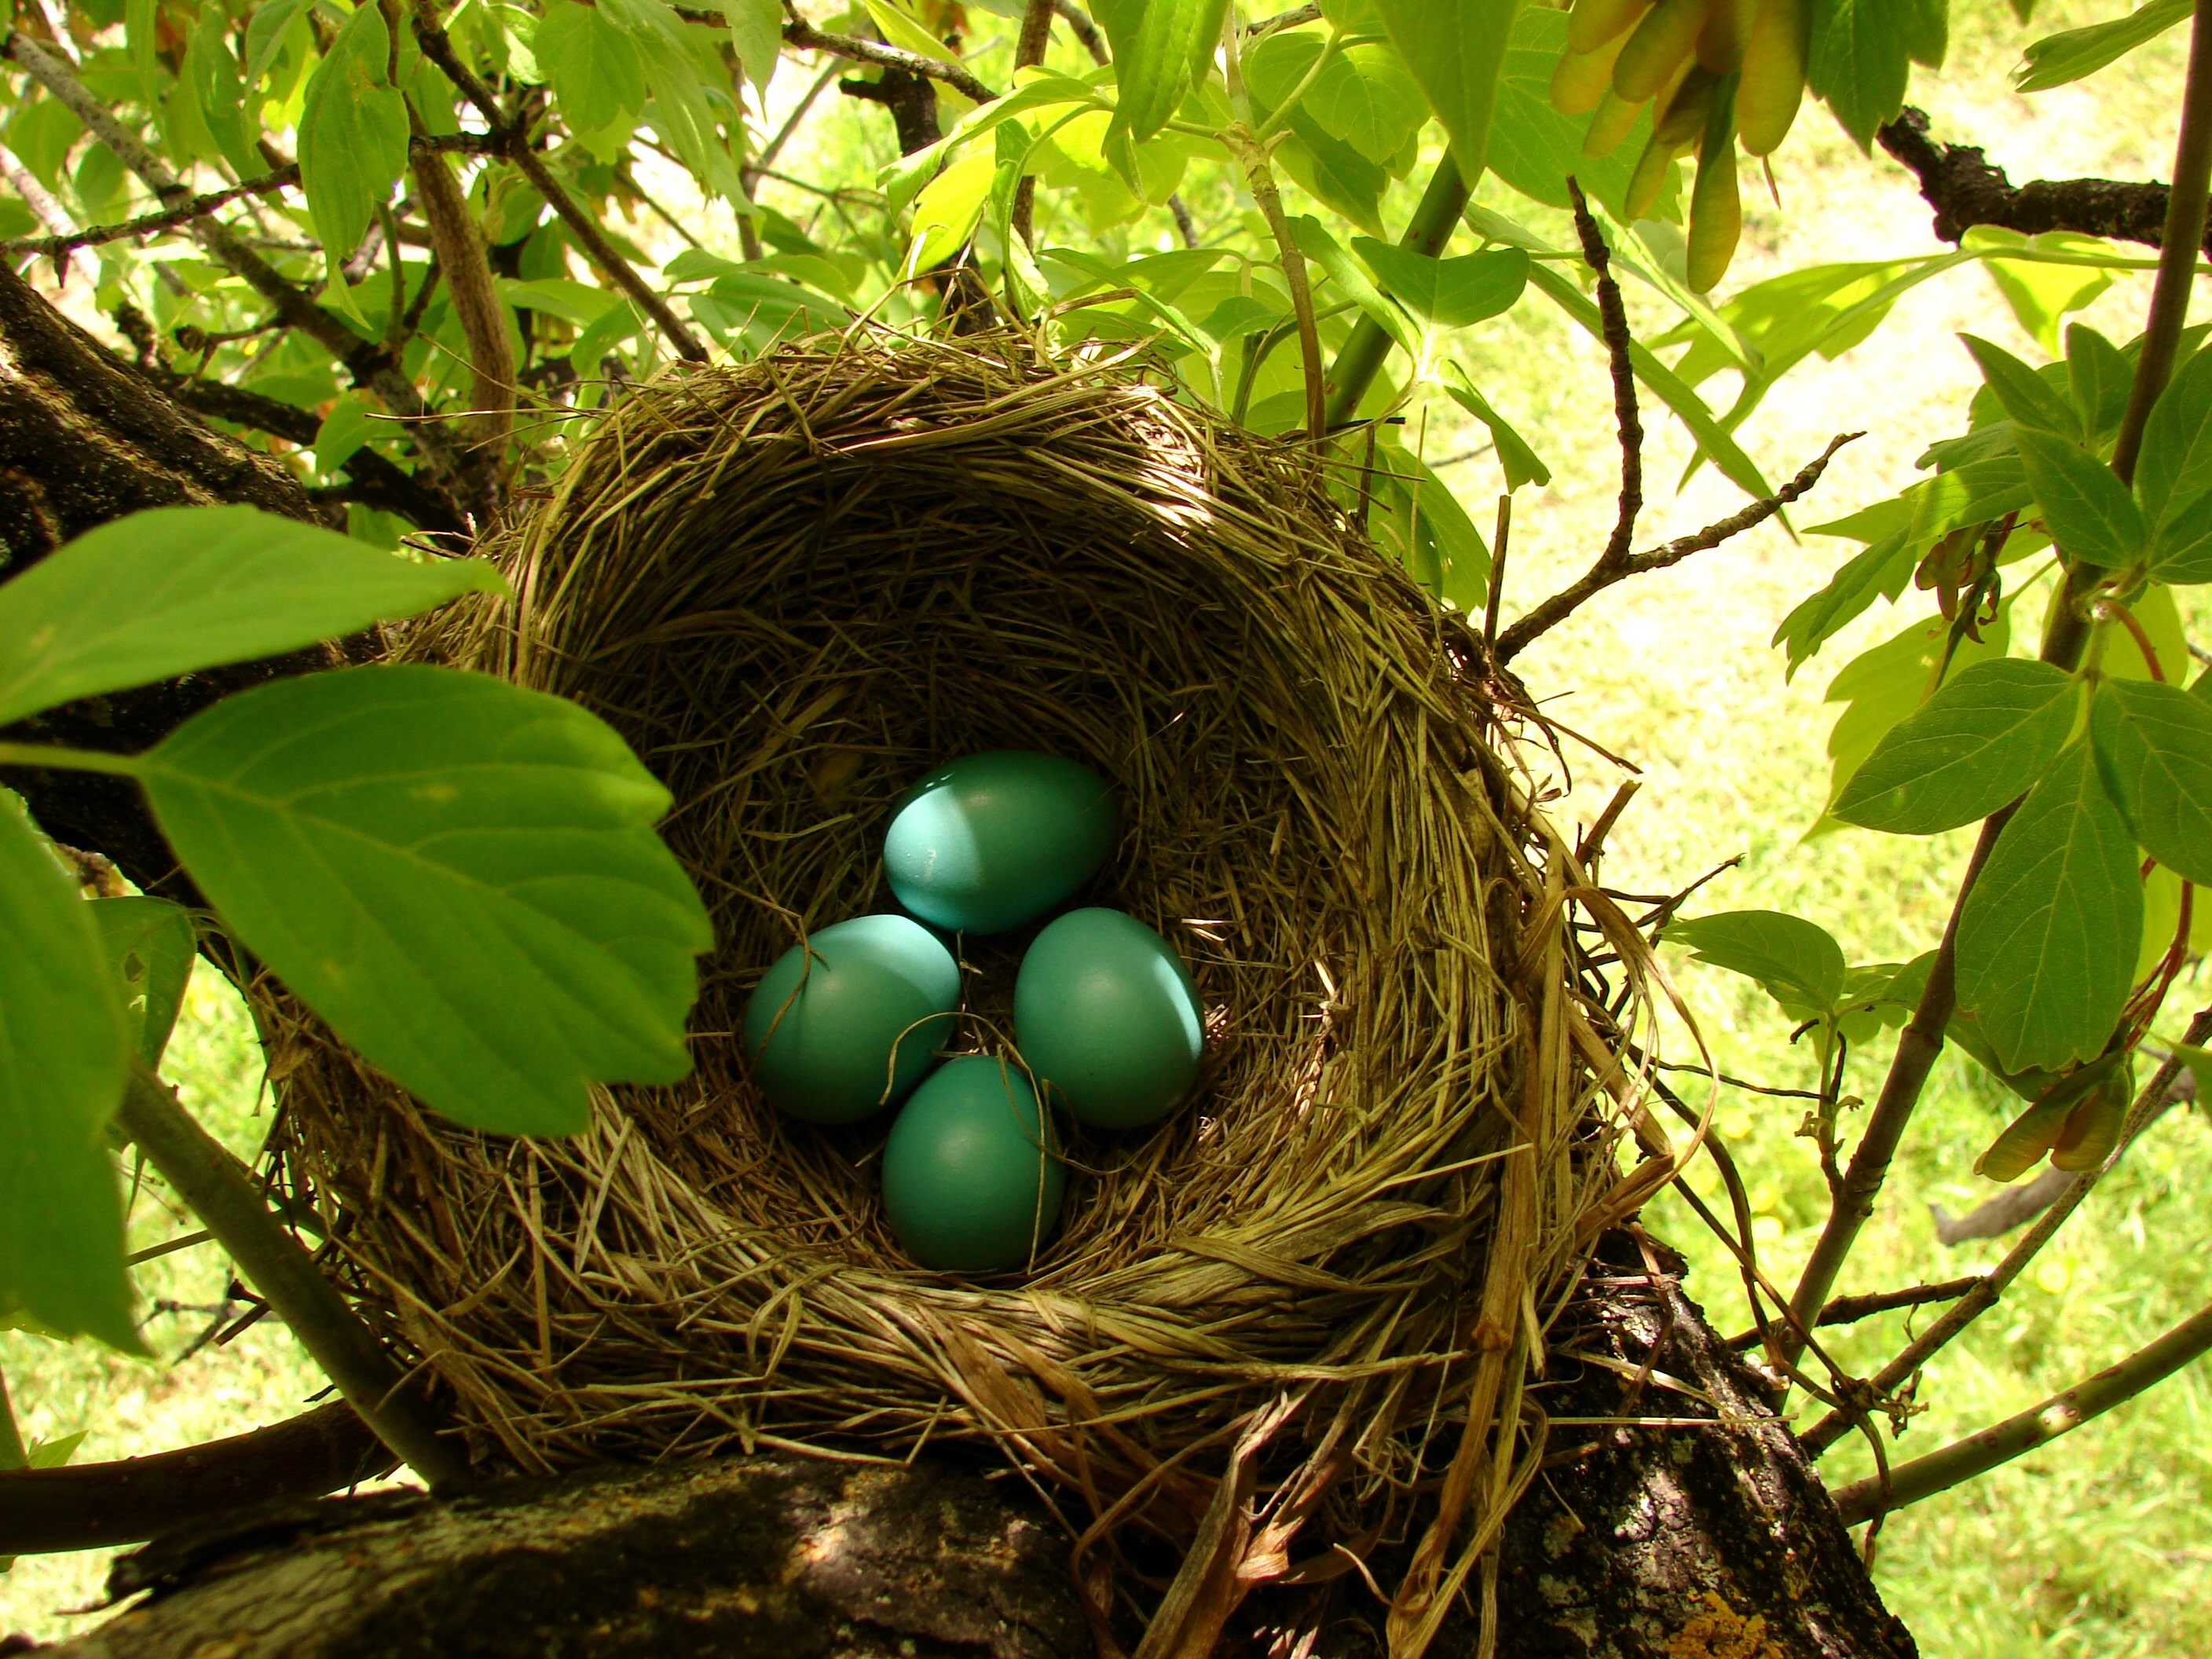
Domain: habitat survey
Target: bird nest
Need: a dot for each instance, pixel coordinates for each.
(1313, 1292)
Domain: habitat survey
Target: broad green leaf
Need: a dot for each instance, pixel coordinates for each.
(1797, 962)
(1278, 66)
(1862, 52)
(2040, 292)
(1158, 45)
(459, 875)
(1713, 439)
(150, 948)
(1450, 292)
(211, 78)
(946, 212)
(1964, 1033)
(757, 34)
(1521, 464)
(2088, 511)
(1334, 174)
(1976, 743)
(1438, 543)
(343, 433)
(1879, 571)
(2021, 391)
(1881, 687)
(2070, 54)
(1456, 51)
(2174, 475)
(64, 1057)
(265, 35)
(1325, 251)
(177, 588)
(2153, 745)
(680, 64)
(353, 139)
(1365, 96)
(2048, 935)
(597, 70)
(2160, 618)
(2099, 377)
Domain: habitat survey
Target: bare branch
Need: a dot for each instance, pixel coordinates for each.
(514, 146)
(804, 36)
(1966, 189)
(1080, 26)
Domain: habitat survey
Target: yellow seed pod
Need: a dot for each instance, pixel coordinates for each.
(1716, 209)
(1661, 45)
(1681, 115)
(1649, 176)
(1594, 22)
(1773, 74)
(1581, 79)
(1610, 124)
(1721, 41)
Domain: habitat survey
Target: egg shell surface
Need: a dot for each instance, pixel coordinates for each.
(822, 1025)
(971, 1182)
(1107, 1017)
(989, 842)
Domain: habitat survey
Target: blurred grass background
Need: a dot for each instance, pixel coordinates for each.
(2098, 1547)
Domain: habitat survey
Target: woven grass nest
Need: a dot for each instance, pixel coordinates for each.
(796, 585)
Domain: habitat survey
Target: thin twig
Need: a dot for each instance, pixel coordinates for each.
(805, 37)
(437, 47)
(205, 1176)
(1849, 1310)
(1978, 1454)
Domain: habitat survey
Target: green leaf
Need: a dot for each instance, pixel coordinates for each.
(2199, 1062)
(1533, 147)
(1797, 962)
(1881, 687)
(1334, 174)
(2173, 472)
(353, 138)
(1158, 45)
(1324, 250)
(757, 34)
(2021, 391)
(946, 212)
(1976, 743)
(265, 35)
(211, 79)
(1365, 96)
(1456, 51)
(150, 948)
(343, 433)
(459, 875)
(1521, 464)
(2153, 745)
(2088, 511)
(1450, 292)
(2047, 938)
(2041, 292)
(1862, 53)
(1879, 571)
(597, 70)
(2071, 54)
(2099, 377)
(176, 588)
(63, 1056)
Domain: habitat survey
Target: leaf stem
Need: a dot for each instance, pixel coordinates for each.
(207, 1177)
(2063, 639)
(13, 1455)
(1362, 355)
(1962, 1460)
(70, 760)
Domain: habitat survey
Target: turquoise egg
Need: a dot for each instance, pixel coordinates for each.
(823, 1023)
(1107, 1019)
(971, 1182)
(989, 842)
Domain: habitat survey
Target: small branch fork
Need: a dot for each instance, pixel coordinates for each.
(1617, 563)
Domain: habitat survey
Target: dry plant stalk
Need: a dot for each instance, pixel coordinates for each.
(796, 585)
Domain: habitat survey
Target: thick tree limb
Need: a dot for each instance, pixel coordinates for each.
(805, 37)
(99, 1505)
(1966, 189)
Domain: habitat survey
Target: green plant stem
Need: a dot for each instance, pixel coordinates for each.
(1962, 1460)
(13, 1454)
(1987, 1292)
(2062, 642)
(209, 1180)
(70, 759)
(1362, 355)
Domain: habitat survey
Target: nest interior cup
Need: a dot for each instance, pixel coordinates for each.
(796, 586)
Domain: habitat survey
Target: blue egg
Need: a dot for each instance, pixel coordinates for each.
(848, 1023)
(990, 841)
(1107, 1017)
(971, 1183)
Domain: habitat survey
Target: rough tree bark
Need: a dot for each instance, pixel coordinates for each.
(1640, 1542)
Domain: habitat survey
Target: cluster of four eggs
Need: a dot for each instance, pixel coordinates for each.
(1106, 1020)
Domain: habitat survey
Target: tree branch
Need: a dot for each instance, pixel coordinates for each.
(804, 36)
(514, 146)
(1978, 1454)
(206, 1177)
(1966, 189)
(99, 1505)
